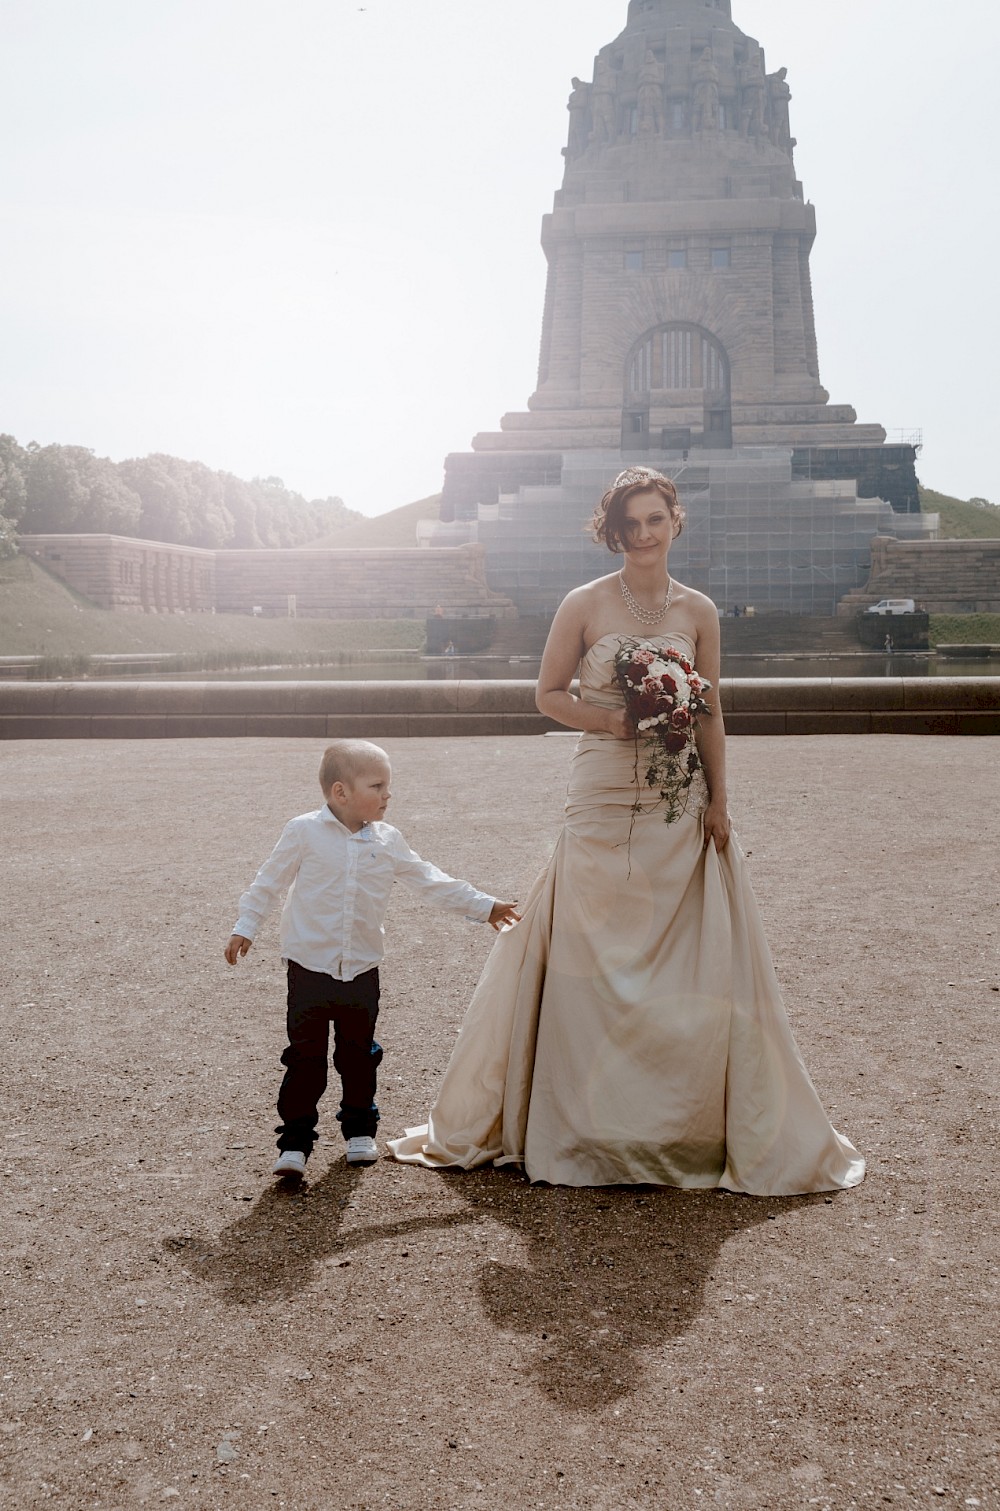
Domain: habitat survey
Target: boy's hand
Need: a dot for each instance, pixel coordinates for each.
(236, 947)
(504, 915)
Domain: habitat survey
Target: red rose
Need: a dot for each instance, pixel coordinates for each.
(646, 705)
(674, 742)
(680, 718)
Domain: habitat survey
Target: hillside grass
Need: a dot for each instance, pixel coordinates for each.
(397, 528)
(960, 519)
(41, 616)
(965, 629)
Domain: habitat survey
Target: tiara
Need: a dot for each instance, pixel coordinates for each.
(633, 475)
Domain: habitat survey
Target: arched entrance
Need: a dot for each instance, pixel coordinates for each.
(677, 391)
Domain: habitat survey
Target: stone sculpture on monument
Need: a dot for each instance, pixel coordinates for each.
(780, 96)
(705, 115)
(650, 100)
(753, 94)
(603, 105)
(579, 119)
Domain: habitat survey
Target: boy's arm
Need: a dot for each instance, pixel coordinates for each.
(445, 891)
(274, 877)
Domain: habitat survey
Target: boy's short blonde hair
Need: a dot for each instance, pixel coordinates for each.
(345, 760)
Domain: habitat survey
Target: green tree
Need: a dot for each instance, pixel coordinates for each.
(70, 490)
(160, 486)
(12, 494)
(13, 464)
(8, 538)
(182, 502)
(239, 503)
(285, 518)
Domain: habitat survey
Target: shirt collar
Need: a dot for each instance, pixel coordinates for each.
(362, 837)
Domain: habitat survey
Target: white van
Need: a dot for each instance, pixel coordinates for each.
(893, 606)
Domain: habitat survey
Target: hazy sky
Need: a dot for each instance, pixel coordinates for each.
(301, 237)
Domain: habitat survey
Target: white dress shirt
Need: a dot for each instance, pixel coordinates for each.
(338, 890)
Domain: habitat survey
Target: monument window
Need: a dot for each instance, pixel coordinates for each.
(631, 120)
(677, 257)
(713, 367)
(677, 354)
(678, 116)
(722, 257)
(640, 378)
(633, 262)
(677, 357)
(637, 423)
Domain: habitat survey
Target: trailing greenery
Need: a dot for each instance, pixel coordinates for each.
(39, 615)
(965, 629)
(962, 519)
(68, 490)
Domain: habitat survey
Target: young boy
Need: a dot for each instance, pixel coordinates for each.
(339, 865)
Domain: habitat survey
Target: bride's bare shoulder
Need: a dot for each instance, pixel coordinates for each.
(600, 586)
(700, 605)
(581, 603)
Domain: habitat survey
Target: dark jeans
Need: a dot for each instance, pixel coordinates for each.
(314, 1002)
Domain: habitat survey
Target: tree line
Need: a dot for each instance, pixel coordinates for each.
(46, 490)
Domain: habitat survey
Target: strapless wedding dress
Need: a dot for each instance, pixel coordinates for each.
(631, 1029)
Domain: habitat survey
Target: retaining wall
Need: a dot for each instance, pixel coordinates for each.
(943, 576)
(117, 572)
(324, 710)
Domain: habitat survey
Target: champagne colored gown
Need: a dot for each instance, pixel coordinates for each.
(631, 1029)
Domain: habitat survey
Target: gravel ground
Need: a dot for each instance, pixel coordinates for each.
(176, 1329)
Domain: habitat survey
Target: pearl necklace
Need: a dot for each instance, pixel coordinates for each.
(644, 615)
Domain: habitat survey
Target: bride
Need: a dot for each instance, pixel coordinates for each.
(630, 1028)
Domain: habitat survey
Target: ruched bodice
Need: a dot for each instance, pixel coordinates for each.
(606, 771)
(597, 669)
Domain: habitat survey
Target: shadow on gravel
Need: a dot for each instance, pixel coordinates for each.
(607, 1273)
(290, 1231)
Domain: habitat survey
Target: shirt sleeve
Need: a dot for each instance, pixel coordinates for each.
(274, 878)
(442, 890)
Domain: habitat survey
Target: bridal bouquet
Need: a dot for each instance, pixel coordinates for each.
(664, 698)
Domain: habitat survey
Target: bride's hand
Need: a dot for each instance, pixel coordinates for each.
(620, 725)
(717, 825)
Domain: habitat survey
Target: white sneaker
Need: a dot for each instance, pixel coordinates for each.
(362, 1150)
(291, 1164)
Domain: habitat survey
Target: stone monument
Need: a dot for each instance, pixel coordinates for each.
(678, 330)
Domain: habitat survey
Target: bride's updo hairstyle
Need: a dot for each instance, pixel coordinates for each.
(608, 523)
